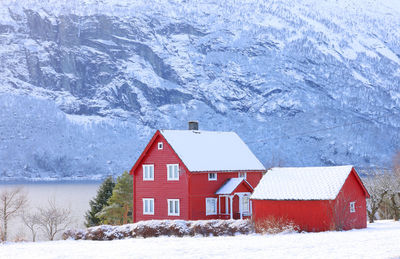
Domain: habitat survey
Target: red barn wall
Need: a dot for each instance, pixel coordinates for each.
(160, 189)
(350, 192)
(319, 215)
(201, 188)
(308, 215)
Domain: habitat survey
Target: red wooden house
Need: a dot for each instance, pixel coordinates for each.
(192, 174)
(313, 198)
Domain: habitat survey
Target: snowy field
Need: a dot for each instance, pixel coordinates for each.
(379, 240)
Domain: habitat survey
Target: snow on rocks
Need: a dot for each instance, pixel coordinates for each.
(154, 228)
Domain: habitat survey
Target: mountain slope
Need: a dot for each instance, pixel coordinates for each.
(303, 83)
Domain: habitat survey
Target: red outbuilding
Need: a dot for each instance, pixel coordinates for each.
(313, 198)
(192, 174)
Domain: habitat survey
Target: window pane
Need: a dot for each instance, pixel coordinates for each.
(176, 207)
(151, 206)
(211, 206)
(245, 203)
(176, 172)
(170, 207)
(146, 207)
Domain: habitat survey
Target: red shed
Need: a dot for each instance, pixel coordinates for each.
(192, 174)
(313, 198)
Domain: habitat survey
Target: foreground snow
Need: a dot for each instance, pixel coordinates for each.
(379, 240)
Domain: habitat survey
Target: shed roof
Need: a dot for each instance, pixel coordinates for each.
(212, 151)
(230, 185)
(302, 183)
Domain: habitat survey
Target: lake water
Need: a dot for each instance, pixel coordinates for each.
(73, 195)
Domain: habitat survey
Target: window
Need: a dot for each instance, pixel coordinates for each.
(352, 206)
(173, 172)
(212, 176)
(160, 145)
(173, 207)
(148, 206)
(245, 204)
(148, 172)
(211, 206)
(242, 175)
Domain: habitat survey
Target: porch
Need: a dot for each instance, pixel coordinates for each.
(234, 199)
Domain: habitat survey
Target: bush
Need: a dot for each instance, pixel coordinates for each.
(155, 228)
(273, 225)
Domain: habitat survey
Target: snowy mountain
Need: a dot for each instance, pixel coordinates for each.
(84, 84)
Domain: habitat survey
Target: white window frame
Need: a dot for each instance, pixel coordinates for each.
(172, 177)
(212, 179)
(352, 207)
(151, 176)
(150, 202)
(215, 200)
(160, 145)
(242, 175)
(175, 203)
(248, 205)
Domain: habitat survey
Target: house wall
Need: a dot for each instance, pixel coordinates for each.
(350, 192)
(160, 189)
(201, 188)
(319, 215)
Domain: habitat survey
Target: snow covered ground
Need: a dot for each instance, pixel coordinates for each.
(379, 240)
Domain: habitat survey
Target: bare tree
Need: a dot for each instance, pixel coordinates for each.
(53, 219)
(378, 185)
(12, 202)
(31, 221)
(395, 192)
(394, 197)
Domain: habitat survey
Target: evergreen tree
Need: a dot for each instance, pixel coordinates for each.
(120, 203)
(99, 202)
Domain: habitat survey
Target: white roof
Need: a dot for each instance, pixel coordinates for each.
(302, 183)
(230, 186)
(212, 150)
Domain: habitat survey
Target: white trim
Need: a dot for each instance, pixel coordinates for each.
(352, 207)
(149, 206)
(175, 209)
(173, 176)
(149, 175)
(231, 205)
(226, 204)
(160, 145)
(212, 179)
(215, 200)
(242, 175)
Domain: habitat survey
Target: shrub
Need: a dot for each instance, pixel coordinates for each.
(155, 228)
(273, 225)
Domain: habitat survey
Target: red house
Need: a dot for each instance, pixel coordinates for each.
(192, 174)
(313, 198)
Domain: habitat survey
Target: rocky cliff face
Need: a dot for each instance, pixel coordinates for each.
(84, 84)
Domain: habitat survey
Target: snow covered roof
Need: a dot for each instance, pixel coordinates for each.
(212, 150)
(302, 183)
(230, 185)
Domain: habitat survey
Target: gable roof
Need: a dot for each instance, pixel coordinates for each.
(212, 151)
(303, 183)
(230, 186)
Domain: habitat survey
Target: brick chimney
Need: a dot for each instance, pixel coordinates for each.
(193, 125)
